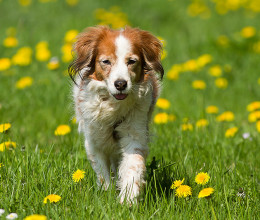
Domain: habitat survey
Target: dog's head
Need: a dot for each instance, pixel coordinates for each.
(120, 58)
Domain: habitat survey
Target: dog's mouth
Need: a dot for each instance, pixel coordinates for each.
(120, 96)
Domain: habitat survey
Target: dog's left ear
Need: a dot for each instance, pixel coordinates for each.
(151, 50)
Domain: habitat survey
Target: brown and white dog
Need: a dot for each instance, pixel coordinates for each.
(116, 87)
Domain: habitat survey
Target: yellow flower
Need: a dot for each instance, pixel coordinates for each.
(203, 60)
(221, 83)
(62, 130)
(70, 36)
(42, 51)
(183, 191)
(198, 8)
(205, 192)
(7, 145)
(174, 72)
(74, 120)
(223, 41)
(248, 32)
(162, 118)
(72, 2)
(191, 65)
(36, 217)
(177, 183)
(10, 42)
(215, 71)
(231, 132)
(25, 2)
(66, 52)
(2, 165)
(253, 106)
(163, 103)
(78, 175)
(52, 198)
(258, 81)
(23, 56)
(4, 127)
(5, 64)
(258, 126)
(53, 64)
(199, 84)
(254, 116)
(24, 82)
(226, 116)
(164, 54)
(186, 127)
(256, 47)
(212, 109)
(202, 178)
(202, 123)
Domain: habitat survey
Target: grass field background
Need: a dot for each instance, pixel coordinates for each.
(227, 33)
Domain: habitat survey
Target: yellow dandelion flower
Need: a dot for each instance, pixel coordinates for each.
(23, 57)
(62, 130)
(205, 192)
(221, 83)
(256, 47)
(215, 71)
(258, 81)
(161, 118)
(183, 191)
(24, 82)
(191, 65)
(10, 42)
(254, 116)
(5, 64)
(223, 41)
(2, 165)
(74, 120)
(203, 60)
(36, 217)
(202, 178)
(163, 103)
(25, 2)
(253, 106)
(187, 127)
(258, 126)
(202, 123)
(53, 64)
(42, 51)
(52, 198)
(174, 72)
(226, 116)
(199, 84)
(212, 109)
(164, 54)
(4, 127)
(66, 52)
(70, 36)
(231, 132)
(7, 145)
(78, 175)
(72, 2)
(248, 32)
(177, 183)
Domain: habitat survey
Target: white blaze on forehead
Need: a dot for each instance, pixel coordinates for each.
(123, 47)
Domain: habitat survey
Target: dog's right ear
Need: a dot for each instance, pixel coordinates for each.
(85, 50)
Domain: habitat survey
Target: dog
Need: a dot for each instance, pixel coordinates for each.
(117, 75)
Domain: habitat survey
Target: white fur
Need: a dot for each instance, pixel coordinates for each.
(99, 114)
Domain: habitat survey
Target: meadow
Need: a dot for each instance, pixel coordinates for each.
(207, 120)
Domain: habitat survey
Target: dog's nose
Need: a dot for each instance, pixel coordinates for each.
(120, 84)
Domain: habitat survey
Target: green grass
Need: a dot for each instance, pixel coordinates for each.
(43, 163)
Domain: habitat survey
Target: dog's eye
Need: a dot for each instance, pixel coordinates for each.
(107, 62)
(131, 61)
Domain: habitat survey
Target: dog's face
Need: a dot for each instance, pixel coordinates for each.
(120, 58)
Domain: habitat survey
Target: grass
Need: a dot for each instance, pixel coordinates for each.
(43, 163)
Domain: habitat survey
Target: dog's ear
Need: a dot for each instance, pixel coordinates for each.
(151, 50)
(85, 50)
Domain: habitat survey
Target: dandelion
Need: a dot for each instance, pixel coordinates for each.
(183, 191)
(256, 47)
(187, 127)
(25, 3)
(74, 120)
(162, 118)
(42, 51)
(2, 211)
(23, 56)
(221, 83)
(199, 84)
(202, 123)
(4, 127)
(202, 178)
(7, 145)
(212, 109)
(223, 41)
(70, 36)
(36, 217)
(215, 71)
(258, 81)
(254, 116)
(191, 65)
(10, 42)
(226, 116)
(5, 64)
(231, 132)
(66, 52)
(62, 130)
(174, 72)
(163, 103)
(258, 126)
(78, 175)
(205, 192)
(253, 106)
(203, 60)
(1, 165)
(12, 216)
(52, 198)
(72, 2)
(53, 64)
(24, 82)
(248, 32)
(177, 183)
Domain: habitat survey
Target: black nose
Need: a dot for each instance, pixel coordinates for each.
(120, 85)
